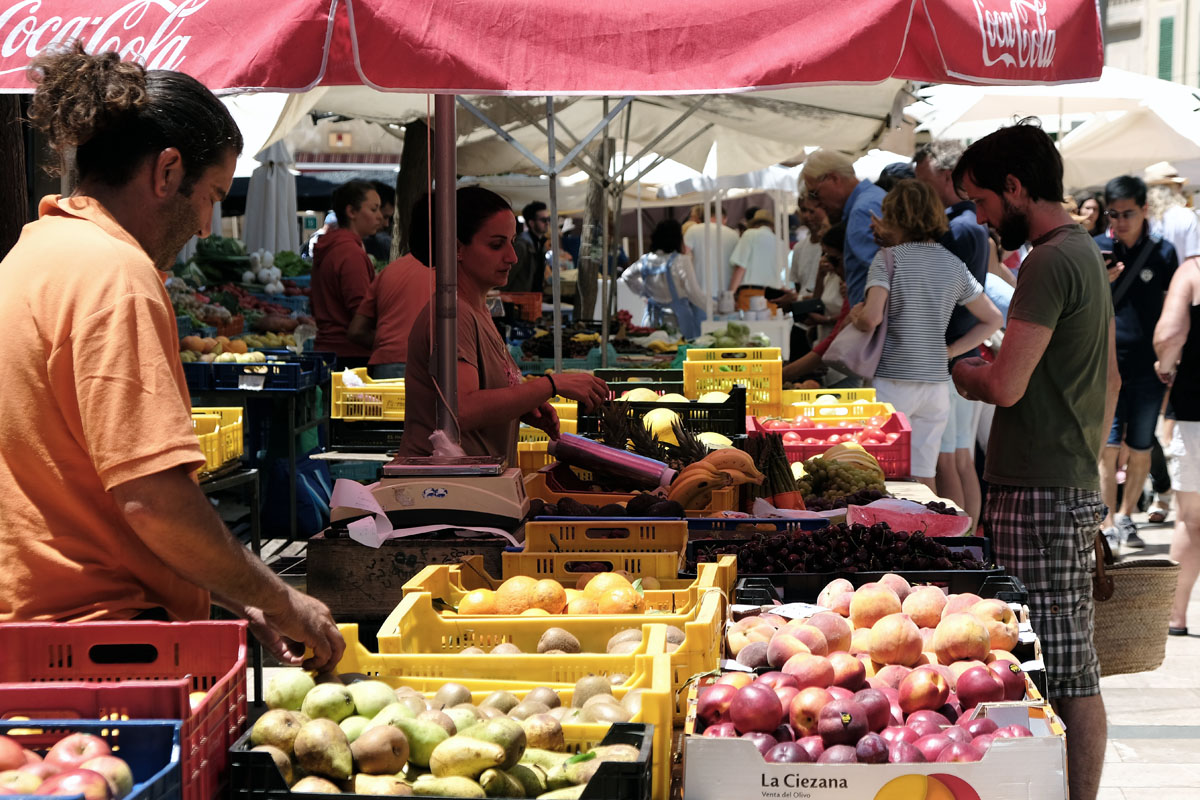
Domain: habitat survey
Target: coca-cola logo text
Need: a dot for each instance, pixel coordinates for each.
(1017, 35)
(146, 31)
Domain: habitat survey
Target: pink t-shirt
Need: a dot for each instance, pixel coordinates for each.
(393, 301)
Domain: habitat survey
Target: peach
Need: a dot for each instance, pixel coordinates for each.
(810, 670)
(860, 642)
(736, 679)
(805, 709)
(871, 667)
(871, 604)
(745, 631)
(924, 604)
(841, 604)
(774, 620)
(1000, 622)
(926, 657)
(960, 637)
(753, 655)
(813, 638)
(923, 689)
(835, 628)
(892, 675)
(782, 647)
(927, 639)
(947, 674)
(897, 584)
(832, 589)
(848, 672)
(959, 667)
(1001, 655)
(957, 603)
(895, 639)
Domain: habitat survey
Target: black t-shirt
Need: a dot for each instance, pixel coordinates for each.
(968, 240)
(1138, 310)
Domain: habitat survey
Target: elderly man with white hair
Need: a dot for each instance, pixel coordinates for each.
(828, 178)
(1169, 215)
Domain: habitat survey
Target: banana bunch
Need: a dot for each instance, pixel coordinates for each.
(853, 453)
(662, 347)
(259, 341)
(586, 337)
(694, 485)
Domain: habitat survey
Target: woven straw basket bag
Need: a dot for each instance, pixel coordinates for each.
(1133, 606)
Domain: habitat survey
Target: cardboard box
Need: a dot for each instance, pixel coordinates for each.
(1012, 769)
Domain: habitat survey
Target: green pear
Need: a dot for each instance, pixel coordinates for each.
(277, 728)
(505, 732)
(531, 777)
(322, 749)
(498, 783)
(314, 784)
(462, 755)
(389, 714)
(328, 701)
(569, 793)
(381, 751)
(282, 760)
(371, 697)
(381, 785)
(287, 689)
(353, 727)
(455, 786)
(423, 737)
(463, 717)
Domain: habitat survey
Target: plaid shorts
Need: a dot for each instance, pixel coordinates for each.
(1045, 536)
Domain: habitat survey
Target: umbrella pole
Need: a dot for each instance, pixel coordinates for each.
(555, 273)
(604, 238)
(446, 293)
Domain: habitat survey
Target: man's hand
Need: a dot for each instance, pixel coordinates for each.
(302, 622)
(961, 372)
(544, 418)
(1115, 271)
(1164, 375)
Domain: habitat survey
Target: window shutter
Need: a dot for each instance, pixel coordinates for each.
(1166, 48)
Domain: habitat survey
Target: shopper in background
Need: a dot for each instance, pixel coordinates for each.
(1168, 212)
(329, 224)
(1140, 271)
(695, 217)
(385, 317)
(666, 278)
(808, 364)
(1091, 208)
(342, 270)
(1177, 344)
(529, 273)
(698, 239)
(805, 258)
(1054, 384)
(755, 260)
(967, 239)
(893, 173)
(492, 399)
(102, 519)
(379, 244)
(828, 178)
(926, 283)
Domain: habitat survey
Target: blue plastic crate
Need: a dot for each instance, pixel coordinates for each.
(292, 374)
(301, 281)
(151, 748)
(185, 325)
(199, 376)
(538, 366)
(205, 331)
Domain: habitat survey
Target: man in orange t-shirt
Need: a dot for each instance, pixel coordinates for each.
(385, 316)
(100, 515)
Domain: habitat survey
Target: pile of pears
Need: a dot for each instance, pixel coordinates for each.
(353, 734)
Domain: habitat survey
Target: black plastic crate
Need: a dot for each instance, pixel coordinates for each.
(254, 774)
(290, 374)
(728, 418)
(365, 436)
(199, 376)
(621, 380)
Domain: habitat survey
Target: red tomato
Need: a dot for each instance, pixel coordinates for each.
(776, 424)
(821, 425)
(791, 437)
(812, 440)
(877, 421)
(891, 437)
(834, 439)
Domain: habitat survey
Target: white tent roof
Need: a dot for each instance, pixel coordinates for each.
(1126, 143)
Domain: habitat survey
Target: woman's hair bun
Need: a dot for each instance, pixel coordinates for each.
(79, 95)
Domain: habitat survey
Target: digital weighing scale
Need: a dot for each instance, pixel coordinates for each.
(469, 491)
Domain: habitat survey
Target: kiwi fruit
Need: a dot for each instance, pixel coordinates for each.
(490, 712)
(543, 731)
(624, 648)
(588, 686)
(606, 712)
(675, 635)
(611, 510)
(544, 695)
(558, 639)
(451, 694)
(441, 720)
(506, 649)
(472, 651)
(500, 699)
(632, 701)
(527, 708)
(627, 635)
(600, 698)
(618, 679)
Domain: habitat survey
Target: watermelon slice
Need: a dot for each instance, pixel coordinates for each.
(905, 515)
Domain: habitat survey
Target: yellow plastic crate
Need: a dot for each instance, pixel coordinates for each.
(567, 568)
(373, 401)
(734, 354)
(675, 601)
(532, 461)
(723, 499)
(651, 674)
(866, 394)
(763, 381)
(567, 409)
(606, 535)
(219, 431)
(532, 456)
(528, 433)
(858, 411)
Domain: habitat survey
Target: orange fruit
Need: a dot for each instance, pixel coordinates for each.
(549, 595)
(480, 601)
(621, 600)
(582, 605)
(604, 582)
(572, 594)
(513, 596)
(535, 612)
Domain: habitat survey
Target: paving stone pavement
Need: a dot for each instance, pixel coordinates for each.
(1154, 717)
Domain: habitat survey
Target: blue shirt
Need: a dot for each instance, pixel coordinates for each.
(968, 240)
(865, 200)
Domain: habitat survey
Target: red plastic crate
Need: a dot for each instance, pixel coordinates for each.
(143, 670)
(894, 458)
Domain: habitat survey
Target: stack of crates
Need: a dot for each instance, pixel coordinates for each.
(219, 431)
(759, 369)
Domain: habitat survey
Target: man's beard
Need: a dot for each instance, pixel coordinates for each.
(1014, 228)
(179, 224)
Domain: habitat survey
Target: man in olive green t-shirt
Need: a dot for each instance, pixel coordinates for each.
(1055, 386)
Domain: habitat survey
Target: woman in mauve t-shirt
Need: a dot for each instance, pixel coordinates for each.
(491, 397)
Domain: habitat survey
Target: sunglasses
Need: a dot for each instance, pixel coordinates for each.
(1126, 214)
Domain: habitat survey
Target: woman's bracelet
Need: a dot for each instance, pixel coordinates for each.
(553, 388)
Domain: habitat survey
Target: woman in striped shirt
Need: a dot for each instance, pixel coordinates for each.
(926, 283)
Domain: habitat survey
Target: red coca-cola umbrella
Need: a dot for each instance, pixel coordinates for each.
(551, 47)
